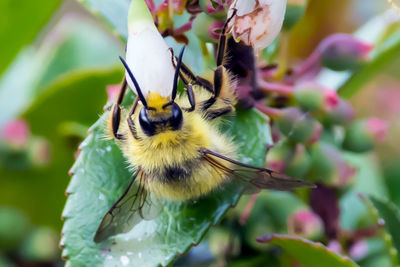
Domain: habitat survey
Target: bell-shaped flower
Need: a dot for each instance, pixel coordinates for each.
(256, 22)
(147, 54)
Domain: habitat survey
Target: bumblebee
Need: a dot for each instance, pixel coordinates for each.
(175, 145)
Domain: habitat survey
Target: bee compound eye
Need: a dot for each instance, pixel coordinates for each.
(146, 124)
(176, 117)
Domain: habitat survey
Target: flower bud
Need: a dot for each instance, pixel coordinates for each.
(221, 240)
(362, 135)
(295, 10)
(343, 52)
(300, 162)
(39, 152)
(112, 93)
(341, 114)
(13, 227)
(207, 28)
(277, 157)
(40, 246)
(15, 133)
(358, 250)
(257, 22)
(335, 246)
(311, 96)
(143, 37)
(298, 126)
(329, 167)
(215, 8)
(306, 224)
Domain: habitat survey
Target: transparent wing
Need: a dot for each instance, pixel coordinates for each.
(253, 178)
(135, 205)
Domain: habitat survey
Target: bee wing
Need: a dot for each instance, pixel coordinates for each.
(135, 205)
(254, 178)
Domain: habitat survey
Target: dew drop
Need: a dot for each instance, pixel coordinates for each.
(125, 260)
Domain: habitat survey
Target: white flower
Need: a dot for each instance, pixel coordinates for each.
(147, 54)
(257, 22)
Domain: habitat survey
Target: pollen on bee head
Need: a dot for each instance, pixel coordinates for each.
(155, 100)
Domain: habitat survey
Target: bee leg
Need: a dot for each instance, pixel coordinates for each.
(131, 124)
(221, 74)
(191, 98)
(116, 111)
(186, 74)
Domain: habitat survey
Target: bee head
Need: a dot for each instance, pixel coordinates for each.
(159, 113)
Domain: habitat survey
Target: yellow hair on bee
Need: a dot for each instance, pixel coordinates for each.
(177, 149)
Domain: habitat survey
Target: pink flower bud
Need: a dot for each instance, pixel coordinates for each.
(16, 132)
(329, 167)
(39, 152)
(278, 156)
(358, 250)
(341, 114)
(313, 96)
(378, 128)
(215, 8)
(112, 93)
(306, 224)
(335, 246)
(343, 52)
(362, 135)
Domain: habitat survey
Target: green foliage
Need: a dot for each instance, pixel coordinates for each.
(308, 253)
(85, 92)
(390, 214)
(20, 23)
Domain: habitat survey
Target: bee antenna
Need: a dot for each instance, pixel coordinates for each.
(139, 92)
(178, 66)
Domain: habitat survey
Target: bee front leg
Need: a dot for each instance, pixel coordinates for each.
(116, 111)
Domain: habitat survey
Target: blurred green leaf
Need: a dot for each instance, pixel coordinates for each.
(68, 47)
(390, 213)
(368, 180)
(77, 97)
(20, 22)
(114, 12)
(309, 254)
(100, 177)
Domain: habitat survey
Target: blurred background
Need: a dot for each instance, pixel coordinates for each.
(57, 61)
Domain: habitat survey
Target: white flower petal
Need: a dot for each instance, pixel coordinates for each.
(257, 22)
(147, 54)
(149, 59)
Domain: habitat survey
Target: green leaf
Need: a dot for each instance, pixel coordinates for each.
(72, 50)
(114, 12)
(100, 175)
(390, 213)
(20, 22)
(75, 97)
(309, 254)
(368, 180)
